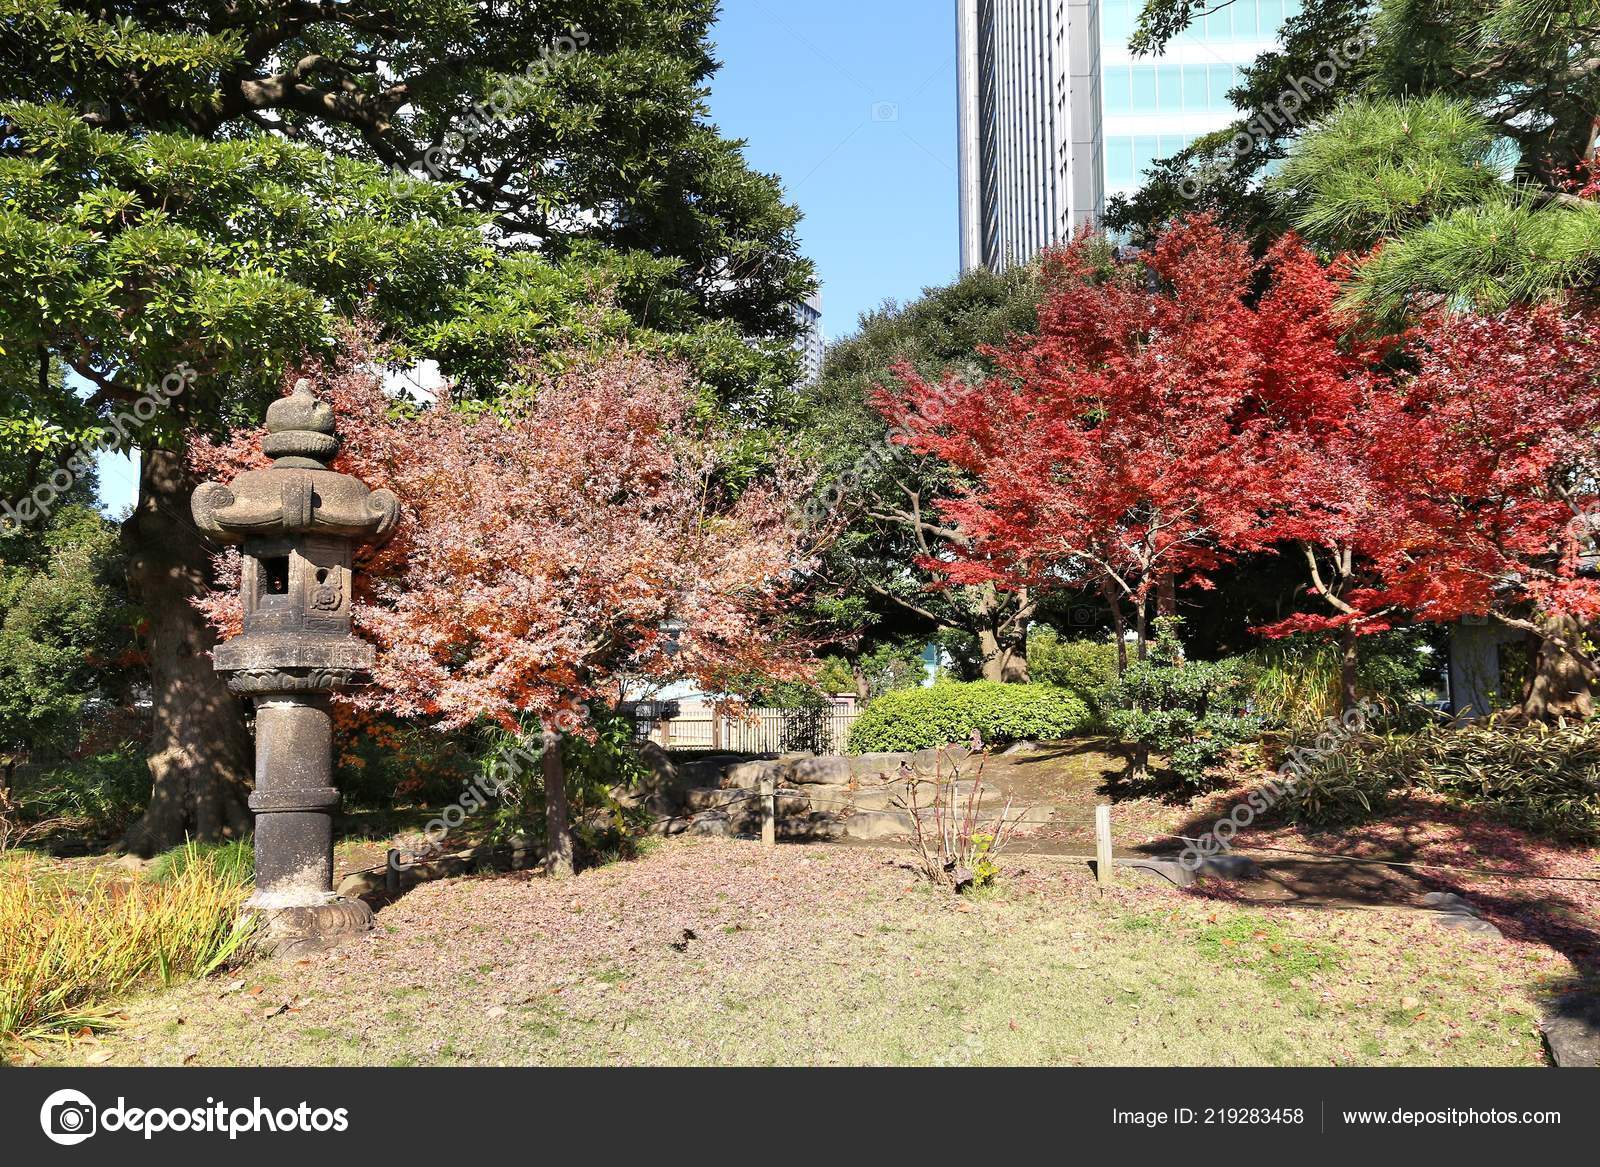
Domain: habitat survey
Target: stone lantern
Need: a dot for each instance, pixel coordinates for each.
(298, 523)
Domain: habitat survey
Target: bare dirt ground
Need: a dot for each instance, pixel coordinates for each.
(710, 952)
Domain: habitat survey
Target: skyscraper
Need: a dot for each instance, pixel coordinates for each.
(1056, 115)
(812, 342)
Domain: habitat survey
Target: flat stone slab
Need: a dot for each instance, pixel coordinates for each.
(1571, 1026)
(818, 772)
(872, 825)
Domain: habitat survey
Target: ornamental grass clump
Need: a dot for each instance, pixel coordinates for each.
(70, 949)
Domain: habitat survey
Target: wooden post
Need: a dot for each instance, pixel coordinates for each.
(769, 811)
(391, 873)
(1102, 845)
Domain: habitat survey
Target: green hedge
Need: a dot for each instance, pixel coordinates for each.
(916, 719)
(1085, 668)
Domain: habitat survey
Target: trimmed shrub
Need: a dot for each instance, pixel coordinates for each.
(1085, 668)
(1190, 711)
(917, 719)
(97, 796)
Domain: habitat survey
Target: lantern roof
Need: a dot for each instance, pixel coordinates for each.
(297, 494)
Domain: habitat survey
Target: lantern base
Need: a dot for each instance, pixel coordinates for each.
(296, 931)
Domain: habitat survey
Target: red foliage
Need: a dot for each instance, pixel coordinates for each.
(1489, 455)
(1195, 405)
(544, 545)
(1150, 425)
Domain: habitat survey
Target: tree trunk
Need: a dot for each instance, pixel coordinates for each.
(1349, 662)
(1007, 662)
(1166, 596)
(1119, 623)
(557, 831)
(1141, 627)
(201, 757)
(863, 685)
(1560, 686)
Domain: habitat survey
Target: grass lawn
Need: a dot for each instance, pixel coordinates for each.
(716, 953)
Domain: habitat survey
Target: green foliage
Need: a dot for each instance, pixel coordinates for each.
(882, 594)
(1376, 168)
(1489, 257)
(1187, 710)
(64, 623)
(96, 797)
(602, 768)
(924, 718)
(232, 863)
(882, 669)
(387, 762)
(1295, 681)
(1428, 176)
(1542, 777)
(1221, 172)
(1085, 668)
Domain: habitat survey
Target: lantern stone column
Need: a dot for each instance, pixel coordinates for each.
(297, 523)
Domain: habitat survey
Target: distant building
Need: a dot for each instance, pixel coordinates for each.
(812, 341)
(1055, 114)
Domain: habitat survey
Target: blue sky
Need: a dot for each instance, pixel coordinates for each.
(853, 106)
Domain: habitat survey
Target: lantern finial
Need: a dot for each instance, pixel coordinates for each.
(300, 430)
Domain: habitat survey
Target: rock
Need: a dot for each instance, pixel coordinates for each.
(887, 796)
(819, 772)
(709, 798)
(940, 761)
(1228, 867)
(1019, 748)
(748, 775)
(1462, 921)
(1571, 1026)
(829, 799)
(713, 824)
(658, 761)
(877, 765)
(1170, 870)
(1447, 900)
(360, 883)
(132, 863)
(702, 771)
(870, 825)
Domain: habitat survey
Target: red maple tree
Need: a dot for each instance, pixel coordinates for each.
(580, 535)
(1142, 434)
(1488, 454)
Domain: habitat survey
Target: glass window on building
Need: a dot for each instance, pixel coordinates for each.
(1146, 149)
(1144, 89)
(1169, 89)
(1195, 96)
(1117, 86)
(1117, 20)
(1120, 171)
(1223, 78)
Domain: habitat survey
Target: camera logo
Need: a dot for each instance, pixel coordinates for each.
(885, 111)
(68, 1117)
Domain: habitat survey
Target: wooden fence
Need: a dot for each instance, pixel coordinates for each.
(754, 731)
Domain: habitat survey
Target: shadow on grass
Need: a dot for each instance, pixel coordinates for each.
(1558, 914)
